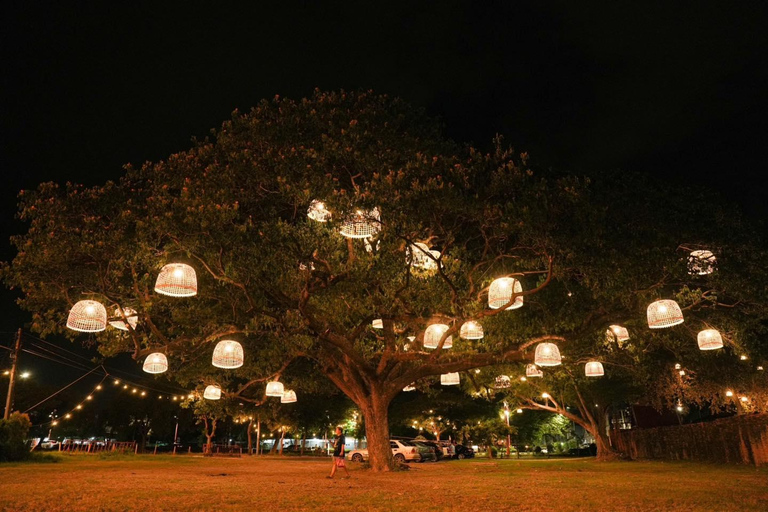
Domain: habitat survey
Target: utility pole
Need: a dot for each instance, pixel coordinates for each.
(12, 381)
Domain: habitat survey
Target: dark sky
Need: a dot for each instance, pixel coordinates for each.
(675, 89)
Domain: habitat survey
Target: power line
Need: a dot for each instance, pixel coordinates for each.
(59, 356)
(59, 348)
(65, 387)
(49, 358)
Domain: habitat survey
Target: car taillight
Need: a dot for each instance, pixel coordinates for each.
(413, 450)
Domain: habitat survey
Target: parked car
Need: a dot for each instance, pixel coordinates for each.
(448, 449)
(49, 444)
(403, 451)
(464, 452)
(436, 447)
(426, 452)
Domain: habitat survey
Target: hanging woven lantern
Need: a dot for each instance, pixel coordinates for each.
(547, 354)
(501, 291)
(701, 263)
(710, 339)
(471, 331)
(361, 224)
(212, 392)
(410, 387)
(288, 397)
(617, 332)
(434, 334)
(423, 258)
(228, 354)
(378, 323)
(156, 363)
(177, 280)
(119, 323)
(450, 379)
(664, 313)
(502, 382)
(594, 369)
(275, 388)
(532, 370)
(317, 211)
(87, 316)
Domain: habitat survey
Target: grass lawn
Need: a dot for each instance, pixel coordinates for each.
(148, 483)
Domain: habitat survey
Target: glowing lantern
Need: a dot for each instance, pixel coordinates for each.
(729, 393)
(471, 331)
(434, 334)
(701, 263)
(177, 280)
(664, 313)
(500, 293)
(594, 369)
(423, 258)
(317, 211)
(532, 370)
(710, 339)
(410, 387)
(288, 397)
(228, 354)
(275, 388)
(87, 316)
(130, 315)
(502, 382)
(212, 392)
(156, 363)
(547, 354)
(377, 324)
(617, 332)
(449, 379)
(361, 224)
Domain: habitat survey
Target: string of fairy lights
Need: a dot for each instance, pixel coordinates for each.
(111, 382)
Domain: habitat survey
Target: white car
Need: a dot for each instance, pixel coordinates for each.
(403, 451)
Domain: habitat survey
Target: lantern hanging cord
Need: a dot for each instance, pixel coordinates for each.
(68, 385)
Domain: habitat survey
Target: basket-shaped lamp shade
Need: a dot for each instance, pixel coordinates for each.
(434, 333)
(228, 354)
(450, 379)
(288, 397)
(701, 263)
(378, 323)
(710, 339)
(423, 258)
(87, 316)
(361, 224)
(410, 387)
(156, 363)
(502, 382)
(594, 369)
(212, 392)
(177, 280)
(500, 293)
(318, 212)
(547, 354)
(664, 313)
(471, 331)
(532, 370)
(275, 388)
(130, 315)
(617, 332)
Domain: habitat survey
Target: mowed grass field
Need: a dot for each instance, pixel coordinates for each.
(154, 483)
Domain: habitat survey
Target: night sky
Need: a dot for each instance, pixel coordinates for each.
(676, 91)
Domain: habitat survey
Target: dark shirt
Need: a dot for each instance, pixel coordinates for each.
(338, 446)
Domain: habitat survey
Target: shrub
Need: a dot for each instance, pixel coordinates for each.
(13, 438)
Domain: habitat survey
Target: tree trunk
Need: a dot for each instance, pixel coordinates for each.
(250, 443)
(303, 441)
(209, 443)
(376, 415)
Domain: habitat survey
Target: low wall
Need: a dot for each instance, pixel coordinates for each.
(735, 440)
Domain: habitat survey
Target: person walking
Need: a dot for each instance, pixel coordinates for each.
(338, 453)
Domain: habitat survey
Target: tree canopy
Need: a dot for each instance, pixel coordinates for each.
(444, 221)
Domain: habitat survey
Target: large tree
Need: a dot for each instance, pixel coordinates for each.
(289, 287)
